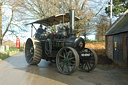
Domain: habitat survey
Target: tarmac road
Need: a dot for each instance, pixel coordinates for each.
(15, 71)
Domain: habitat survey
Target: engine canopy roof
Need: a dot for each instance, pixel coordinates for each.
(54, 20)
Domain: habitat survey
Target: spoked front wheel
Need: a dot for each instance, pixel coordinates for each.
(88, 60)
(67, 60)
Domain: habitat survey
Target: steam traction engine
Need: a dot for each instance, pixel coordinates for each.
(63, 47)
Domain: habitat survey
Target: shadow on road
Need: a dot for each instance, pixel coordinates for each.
(46, 73)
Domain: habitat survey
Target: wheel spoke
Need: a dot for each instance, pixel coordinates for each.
(63, 67)
(73, 61)
(61, 56)
(69, 53)
(61, 64)
(71, 58)
(64, 55)
(30, 59)
(70, 68)
(84, 66)
(65, 51)
(29, 55)
(89, 65)
(92, 62)
(71, 64)
(67, 68)
(61, 60)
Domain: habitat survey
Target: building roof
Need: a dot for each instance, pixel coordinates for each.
(11, 43)
(120, 25)
(54, 20)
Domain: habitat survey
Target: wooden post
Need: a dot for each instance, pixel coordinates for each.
(111, 12)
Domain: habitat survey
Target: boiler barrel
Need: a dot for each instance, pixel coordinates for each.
(77, 43)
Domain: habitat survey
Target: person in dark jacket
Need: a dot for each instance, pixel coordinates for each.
(39, 32)
(40, 29)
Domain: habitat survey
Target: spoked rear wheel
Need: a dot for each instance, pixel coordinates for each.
(67, 60)
(88, 60)
(33, 51)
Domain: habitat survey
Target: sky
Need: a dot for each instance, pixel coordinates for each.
(94, 4)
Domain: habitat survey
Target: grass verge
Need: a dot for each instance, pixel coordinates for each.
(9, 53)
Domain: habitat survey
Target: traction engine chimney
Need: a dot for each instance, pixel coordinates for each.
(72, 20)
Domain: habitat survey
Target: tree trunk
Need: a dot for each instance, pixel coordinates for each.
(1, 24)
(1, 42)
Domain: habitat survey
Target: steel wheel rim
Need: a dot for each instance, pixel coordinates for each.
(66, 61)
(90, 63)
(29, 51)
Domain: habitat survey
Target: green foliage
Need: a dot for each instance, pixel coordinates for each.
(4, 55)
(87, 40)
(13, 49)
(119, 6)
(9, 53)
(21, 49)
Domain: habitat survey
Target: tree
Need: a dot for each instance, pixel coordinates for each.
(9, 23)
(29, 10)
(10, 20)
(102, 27)
(119, 6)
(25, 11)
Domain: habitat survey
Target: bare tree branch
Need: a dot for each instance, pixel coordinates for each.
(8, 24)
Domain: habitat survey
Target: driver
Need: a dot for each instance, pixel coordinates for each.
(39, 31)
